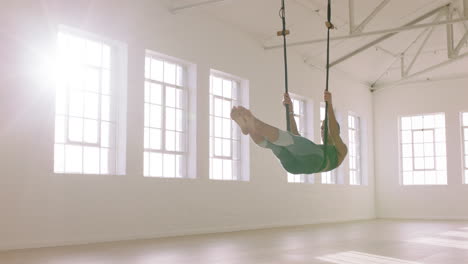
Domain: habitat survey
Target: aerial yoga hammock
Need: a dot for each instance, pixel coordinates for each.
(297, 154)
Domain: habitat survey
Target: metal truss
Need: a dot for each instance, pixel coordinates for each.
(465, 7)
(451, 14)
(177, 9)
(453, 51)
(360, 27)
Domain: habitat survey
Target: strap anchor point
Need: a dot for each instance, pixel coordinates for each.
(329, 25)
(283, 33)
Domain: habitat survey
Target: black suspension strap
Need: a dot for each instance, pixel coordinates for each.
(283, 33)
(330, 26)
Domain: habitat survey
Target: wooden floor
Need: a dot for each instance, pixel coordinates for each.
(367, 242)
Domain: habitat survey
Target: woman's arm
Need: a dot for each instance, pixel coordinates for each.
(287, 101)
(334, 128)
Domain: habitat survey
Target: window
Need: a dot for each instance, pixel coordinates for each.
(226, 143)
(87, 120)
(354, 134)
(166, 129)
(465, 145)
(423, 150)
(328, 177)
(301, 115)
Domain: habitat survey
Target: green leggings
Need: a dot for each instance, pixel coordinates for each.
(298, 155)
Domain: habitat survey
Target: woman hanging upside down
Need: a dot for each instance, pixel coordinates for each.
(297, 154)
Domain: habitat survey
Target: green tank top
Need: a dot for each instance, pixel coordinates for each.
(305, 157)
(331, 159)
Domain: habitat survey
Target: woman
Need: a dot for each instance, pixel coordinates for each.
(297, 154)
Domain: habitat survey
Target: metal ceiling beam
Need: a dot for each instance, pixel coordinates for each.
(391, 32)
(446, 78)
(464, 38)
(369, 18)
(414, 75)
(403, 55)
(460, 14)
(450, 45)
(194, 5)
(465, 7)
(405, 72)
(421, 47)
(461, 43)
(415, 58)
(409, 26)
(387, 51)
(351, 16)
(402, 65)
(319, 66)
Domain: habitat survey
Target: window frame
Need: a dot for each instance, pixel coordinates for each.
(329, 177)
(306, 130)
(212, 128)
(464, 147)
(358, 138)
(189, 125)
(433, 149)
(116, 157)
(243, 142)
(413, 157)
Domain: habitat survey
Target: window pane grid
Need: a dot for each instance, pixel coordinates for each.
(300, 118)
(328, 177)
(423, 150)
(165, 128)
(85, 130)
(224, 136)
(354, 132)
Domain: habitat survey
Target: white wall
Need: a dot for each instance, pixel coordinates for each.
(39, 208)
(425, 202)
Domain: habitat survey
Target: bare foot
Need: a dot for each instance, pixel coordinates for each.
(248, 118)
(236, 116)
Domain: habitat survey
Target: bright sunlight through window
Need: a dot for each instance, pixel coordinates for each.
(165, 138)
(465, 144)
(423, 150)
(328, 177)
(354, 135)
(225, 141)
(300, 116)
(85, 120)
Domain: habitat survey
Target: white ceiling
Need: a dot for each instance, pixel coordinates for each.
(378, 65)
